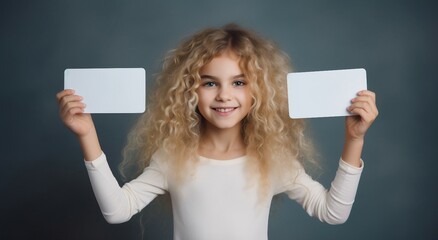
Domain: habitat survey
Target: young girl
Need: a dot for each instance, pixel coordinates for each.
(218, 138)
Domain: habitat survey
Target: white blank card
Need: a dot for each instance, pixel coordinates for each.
(323, 93)
(109, 90)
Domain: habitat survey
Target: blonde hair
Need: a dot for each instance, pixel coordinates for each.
(172, 124)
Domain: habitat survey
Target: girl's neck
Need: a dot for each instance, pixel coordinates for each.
(222, 144)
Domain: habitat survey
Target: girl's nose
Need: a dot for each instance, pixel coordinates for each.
(224, 94)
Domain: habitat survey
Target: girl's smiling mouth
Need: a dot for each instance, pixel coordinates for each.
(224, 109)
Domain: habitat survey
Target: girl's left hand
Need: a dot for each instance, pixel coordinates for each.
(364, 105)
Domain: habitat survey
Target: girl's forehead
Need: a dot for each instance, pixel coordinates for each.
(222, 64)
(230, 54)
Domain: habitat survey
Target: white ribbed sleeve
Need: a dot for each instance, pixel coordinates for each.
(332, 206)
(119, 204)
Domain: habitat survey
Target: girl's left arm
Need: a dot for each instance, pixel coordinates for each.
(364, 105)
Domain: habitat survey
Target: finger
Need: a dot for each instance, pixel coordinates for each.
(72, 104)
(364, 115)
(66, 109)
(69, 116)
(365, 109)
(363, 98)
(367, 93)
(362, 104)
(367, 99)
(70, 98)
(73, 111)
(64, 93)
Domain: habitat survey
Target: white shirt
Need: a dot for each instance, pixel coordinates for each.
(217, 202)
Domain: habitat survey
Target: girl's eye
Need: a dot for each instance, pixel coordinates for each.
(209, 84)
(239, 83)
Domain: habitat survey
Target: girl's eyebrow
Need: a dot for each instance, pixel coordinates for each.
(206, 76)
(239, 76)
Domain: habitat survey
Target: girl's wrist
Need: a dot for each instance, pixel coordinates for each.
(354, 139)
(90, 145)
(352, 151)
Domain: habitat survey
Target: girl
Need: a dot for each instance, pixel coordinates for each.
(218, 138)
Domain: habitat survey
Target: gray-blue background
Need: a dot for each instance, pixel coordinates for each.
(45, 191)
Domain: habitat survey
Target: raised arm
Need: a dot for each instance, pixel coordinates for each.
(118, 204)
(364, 105)
(71, 111)
(334, 205)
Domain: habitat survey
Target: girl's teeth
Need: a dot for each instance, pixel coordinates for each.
(224, 109)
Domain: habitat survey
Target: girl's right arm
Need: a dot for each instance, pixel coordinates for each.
(117, 204)
(71, 111)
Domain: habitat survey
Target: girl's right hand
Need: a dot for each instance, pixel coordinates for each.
(71, 111)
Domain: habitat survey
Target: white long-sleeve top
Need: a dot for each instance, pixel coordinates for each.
(217, 202)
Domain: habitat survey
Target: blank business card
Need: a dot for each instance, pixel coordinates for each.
(109, 90)
(323, 93)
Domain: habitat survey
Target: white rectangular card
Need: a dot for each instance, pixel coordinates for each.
(323, 93)
(109, 90)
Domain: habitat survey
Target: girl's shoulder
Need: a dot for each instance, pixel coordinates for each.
(160, 159)
(286, 174)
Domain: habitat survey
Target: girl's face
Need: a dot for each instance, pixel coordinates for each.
(224, 96)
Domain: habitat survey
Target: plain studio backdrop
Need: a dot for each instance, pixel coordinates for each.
(45, 191)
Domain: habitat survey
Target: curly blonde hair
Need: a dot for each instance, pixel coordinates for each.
(172, 123)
